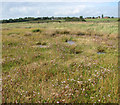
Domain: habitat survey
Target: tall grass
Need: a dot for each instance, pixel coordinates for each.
(60, 73)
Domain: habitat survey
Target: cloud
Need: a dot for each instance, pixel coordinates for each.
(20, 10)
(61, 1)
(70, 10)
(37, 9)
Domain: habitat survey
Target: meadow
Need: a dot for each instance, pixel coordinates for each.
(102, 20)
(67, 62)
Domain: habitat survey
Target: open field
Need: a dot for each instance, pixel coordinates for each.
(68, 62)
(102, 20)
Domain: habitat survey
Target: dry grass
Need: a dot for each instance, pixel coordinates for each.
(60, 73)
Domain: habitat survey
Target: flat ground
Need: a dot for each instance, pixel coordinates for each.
(40, 65)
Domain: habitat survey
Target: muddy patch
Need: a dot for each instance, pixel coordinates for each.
(70, 42)
(41, 45)
(100, 53)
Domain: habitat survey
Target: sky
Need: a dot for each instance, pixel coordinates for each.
(12, 9)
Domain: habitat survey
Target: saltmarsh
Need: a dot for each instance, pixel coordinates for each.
(60, 72)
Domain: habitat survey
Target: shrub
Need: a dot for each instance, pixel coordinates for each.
(75, 50)
(80, 33)
(36, 30)
(62, 32)
(101, 49)
(41, 43)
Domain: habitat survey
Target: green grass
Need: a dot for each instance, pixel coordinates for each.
(60, 72)
(103, 20)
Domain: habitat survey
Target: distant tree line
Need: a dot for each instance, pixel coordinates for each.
(98, 17)
(43, 19)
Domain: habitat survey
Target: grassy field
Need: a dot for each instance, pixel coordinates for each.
(102, 20)
(41, 66)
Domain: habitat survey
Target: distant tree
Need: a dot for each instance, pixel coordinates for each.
(93, 17)
(102, 16)
(81, 17)
(112, 17)
(98, 16)
(10, 20)
(52, 17)
(88, 17)
(42, 19)
(45, 18)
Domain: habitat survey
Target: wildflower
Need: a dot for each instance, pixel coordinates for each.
(57, 101)
(79, 82)
(8, 75)
(83, 89)
(63, 82)
(72, 79)
(77, 91)
(67, 86)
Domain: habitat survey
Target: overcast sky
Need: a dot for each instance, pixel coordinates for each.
(19, 9)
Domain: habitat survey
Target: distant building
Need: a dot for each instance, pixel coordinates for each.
(106, 17)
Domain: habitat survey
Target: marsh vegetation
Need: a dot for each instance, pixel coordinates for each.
(68, 70)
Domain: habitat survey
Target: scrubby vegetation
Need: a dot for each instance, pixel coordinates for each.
(36, 30)
(60, 72)
(43, 19)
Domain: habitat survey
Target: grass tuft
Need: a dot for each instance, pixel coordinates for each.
(36, 30)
